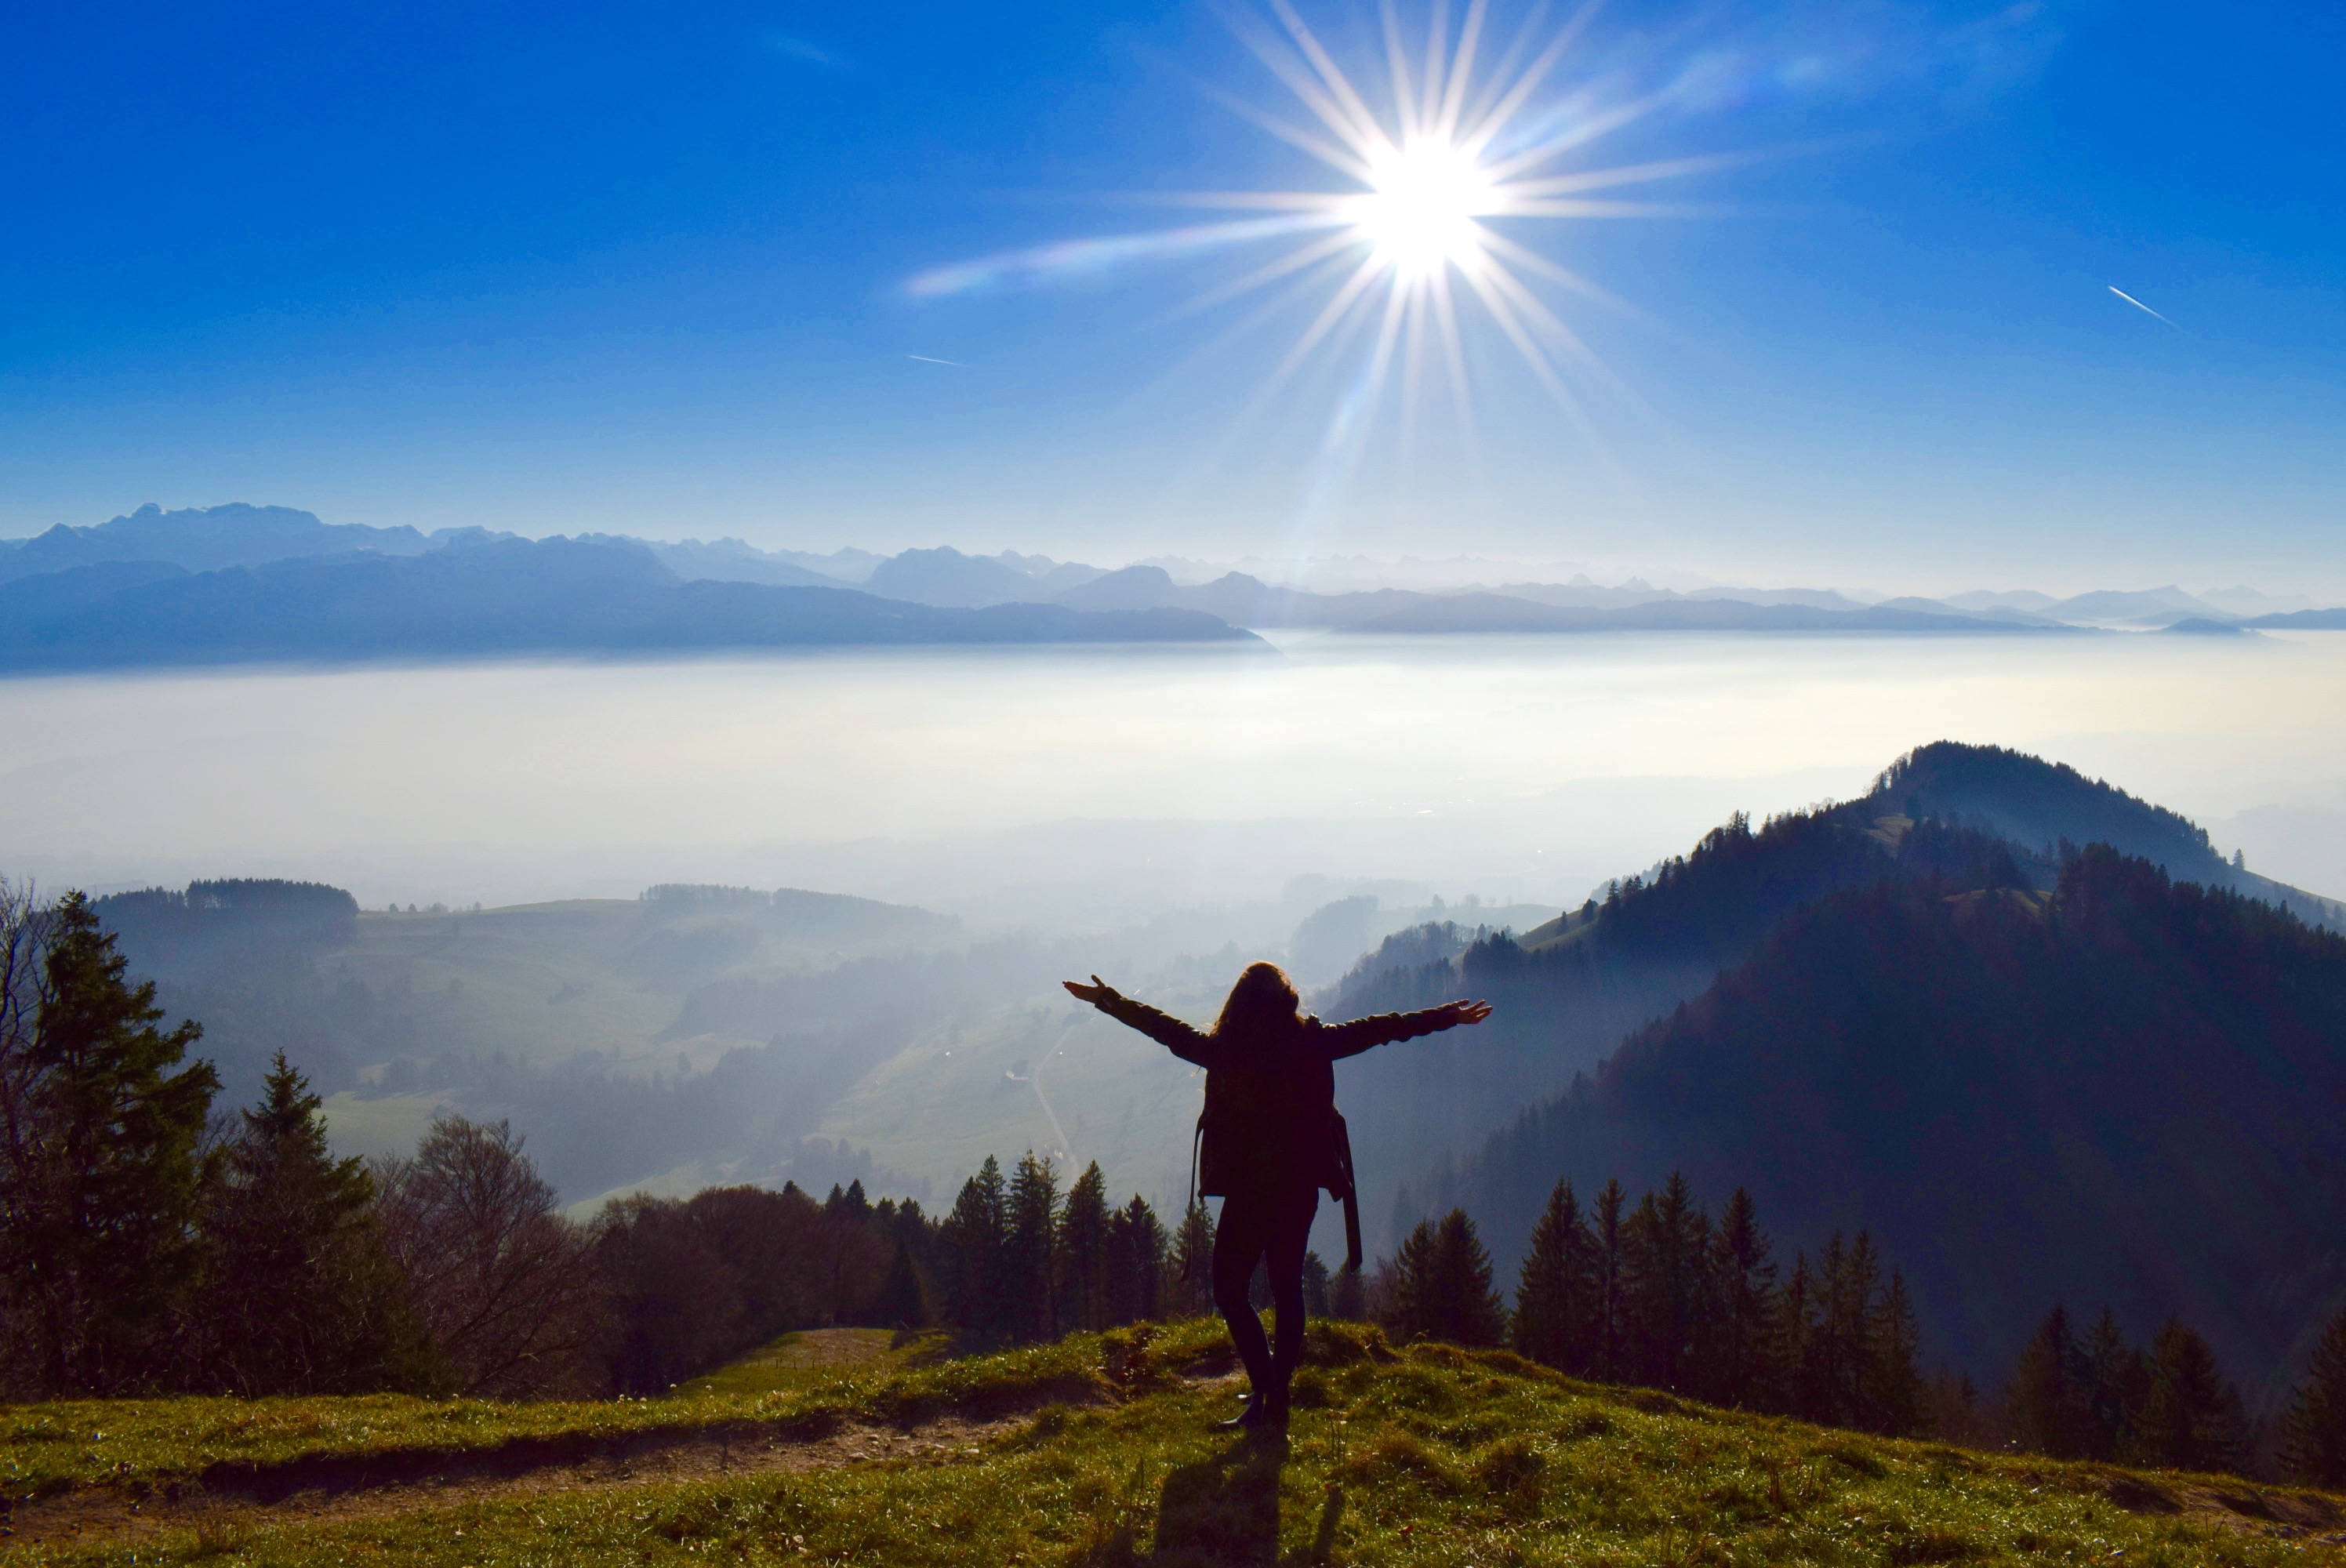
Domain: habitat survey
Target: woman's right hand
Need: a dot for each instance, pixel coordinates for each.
(1467, 1012)
(1098, 992)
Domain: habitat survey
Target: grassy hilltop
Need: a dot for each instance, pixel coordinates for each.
(1091, 1451)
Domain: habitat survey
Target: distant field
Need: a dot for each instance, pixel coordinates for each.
(1095, 1452)
(380, 1123)
(1120, 1099)
(805, 1359)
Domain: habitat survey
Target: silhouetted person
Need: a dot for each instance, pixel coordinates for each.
(1272, 1141)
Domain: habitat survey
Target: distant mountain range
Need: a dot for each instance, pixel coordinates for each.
(2036, 1069)
(201, 539)
(273, 583)
(508, 598)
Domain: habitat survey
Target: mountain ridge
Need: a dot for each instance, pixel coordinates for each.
(200, 539)
(511, 597)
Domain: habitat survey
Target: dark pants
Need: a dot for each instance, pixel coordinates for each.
(1274, 1226)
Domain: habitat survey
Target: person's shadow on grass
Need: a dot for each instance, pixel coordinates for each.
(1223, 1510)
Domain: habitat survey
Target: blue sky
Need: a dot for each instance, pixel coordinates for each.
(648, 268)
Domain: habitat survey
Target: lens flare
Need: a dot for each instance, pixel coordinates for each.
(1429, 180)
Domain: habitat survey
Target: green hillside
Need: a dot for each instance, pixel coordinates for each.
(1091, 1452)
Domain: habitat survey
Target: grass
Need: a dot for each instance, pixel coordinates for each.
(1433, 1456)
(49, 1448)
(804, 1359)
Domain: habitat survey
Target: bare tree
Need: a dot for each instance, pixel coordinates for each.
(507, 1287)
(24, 921)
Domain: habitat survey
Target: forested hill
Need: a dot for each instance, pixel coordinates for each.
(1566, 995)
(2040, 805)
(1568, 992)
(2131, 1091)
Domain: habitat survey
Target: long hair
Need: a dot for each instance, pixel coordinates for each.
(1263, 996)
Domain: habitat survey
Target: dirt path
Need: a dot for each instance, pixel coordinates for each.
(331, 1493)
(232, 1499)
(2246, 1509)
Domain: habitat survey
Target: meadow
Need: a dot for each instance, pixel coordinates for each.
(1095, 1451)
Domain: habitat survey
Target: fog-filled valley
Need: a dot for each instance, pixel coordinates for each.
(802, 919)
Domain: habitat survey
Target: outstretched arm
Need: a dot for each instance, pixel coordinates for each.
(1362, 1034)
(1162, 1027)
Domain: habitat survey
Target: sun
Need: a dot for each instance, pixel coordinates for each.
(1435, 187)
(1418, 215)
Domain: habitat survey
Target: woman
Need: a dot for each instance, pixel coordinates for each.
(1273, 1140)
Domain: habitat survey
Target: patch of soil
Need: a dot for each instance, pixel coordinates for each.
(237, 1497)
(2251, 1510)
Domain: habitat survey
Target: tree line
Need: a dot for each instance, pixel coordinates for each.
(2168, 1405)
(1659, 1295)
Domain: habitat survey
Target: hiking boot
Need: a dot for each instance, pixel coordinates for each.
(1255, 1416)
(1274, 1410)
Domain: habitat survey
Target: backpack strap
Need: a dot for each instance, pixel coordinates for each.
(1197, 1141)
(1191, 1193)
(1351, 1194)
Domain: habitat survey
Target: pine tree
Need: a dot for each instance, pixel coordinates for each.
(106, 1249)
(301, 1297)
(1556, 1294)
(2193, 1420)
(1315, 1285)
(1134, 1264)
(903, 1302)
(2314, 1432)
(1663, 1246)
(1821, 1376)
(1898, 1400)
(1607, 1362)
(971, 1241)
(1850, 1294)
(2045, 1404)
(2118, 1383)
(1955, 1416)
(1739, 1350)
(851, 1206)
(1832, 1382)
(1795, 1332)
(1347, 1295)
(1083, 1253)
(1031, 1250)
(1407, 1306)
(1442, 1280)
(1188, 1290)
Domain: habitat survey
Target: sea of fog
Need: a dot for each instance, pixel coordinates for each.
(1072, 788)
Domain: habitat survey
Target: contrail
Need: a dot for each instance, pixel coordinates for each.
(2137, 304)
(957, 364)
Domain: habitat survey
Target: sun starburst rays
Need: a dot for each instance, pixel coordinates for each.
(1431, 184)
(1429, 179)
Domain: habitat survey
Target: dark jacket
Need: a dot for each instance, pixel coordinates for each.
(1270, 1093)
